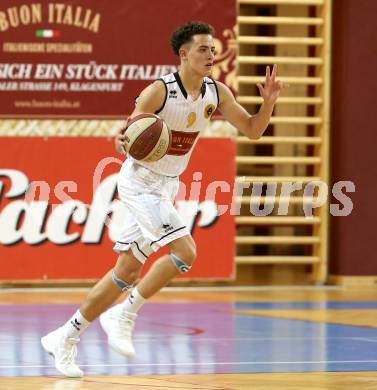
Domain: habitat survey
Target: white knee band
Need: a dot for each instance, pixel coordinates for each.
(180, 264)
(124, 286)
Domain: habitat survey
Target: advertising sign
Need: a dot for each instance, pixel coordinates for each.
(84, 58)
(60, 216)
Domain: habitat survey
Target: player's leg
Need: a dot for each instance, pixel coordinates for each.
(181, 258)
(61, 343)
(118, 322)
(110, 287)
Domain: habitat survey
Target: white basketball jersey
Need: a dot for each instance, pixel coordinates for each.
(186, 118)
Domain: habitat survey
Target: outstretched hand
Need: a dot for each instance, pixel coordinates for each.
(271, 89)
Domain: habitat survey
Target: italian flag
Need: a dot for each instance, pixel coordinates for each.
(47, 33)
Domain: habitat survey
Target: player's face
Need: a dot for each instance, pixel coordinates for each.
(201, 54)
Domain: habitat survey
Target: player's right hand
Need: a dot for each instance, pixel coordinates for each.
(119, 141)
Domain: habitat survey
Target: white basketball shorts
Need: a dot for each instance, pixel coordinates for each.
(152, 220)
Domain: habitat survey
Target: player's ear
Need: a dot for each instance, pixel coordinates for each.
(183, 53)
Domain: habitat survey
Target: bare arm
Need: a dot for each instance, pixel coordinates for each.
(150, 100)
(253, 126)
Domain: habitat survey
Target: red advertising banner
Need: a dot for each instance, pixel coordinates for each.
(87, 58)
(59, 214)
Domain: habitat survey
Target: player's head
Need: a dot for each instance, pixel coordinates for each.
(193, 43)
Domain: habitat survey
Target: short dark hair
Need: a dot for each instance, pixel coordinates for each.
(184, 34)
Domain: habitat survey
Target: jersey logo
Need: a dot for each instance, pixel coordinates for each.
(173, 94)
(182, 142)
(209, 110)
(167, 227)
(191, 118)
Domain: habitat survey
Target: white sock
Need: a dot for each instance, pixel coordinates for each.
(133, 302)
(75, 325)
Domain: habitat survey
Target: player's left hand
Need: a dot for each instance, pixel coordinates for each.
(271, 89)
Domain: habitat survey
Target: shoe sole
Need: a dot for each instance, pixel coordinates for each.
(114, 347)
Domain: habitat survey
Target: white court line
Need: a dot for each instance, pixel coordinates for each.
(200, 339)
(254, 288)
(371, 339)
(200, 364)
(182, 289)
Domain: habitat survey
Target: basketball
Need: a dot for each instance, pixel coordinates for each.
(147, 138)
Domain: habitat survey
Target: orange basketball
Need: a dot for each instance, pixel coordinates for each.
(147, 138)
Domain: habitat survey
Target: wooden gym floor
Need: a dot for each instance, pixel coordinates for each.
(297, 338)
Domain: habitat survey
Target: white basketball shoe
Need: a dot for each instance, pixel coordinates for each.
(64, 350)
(118, 325)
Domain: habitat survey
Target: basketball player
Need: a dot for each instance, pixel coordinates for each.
(186, 101)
